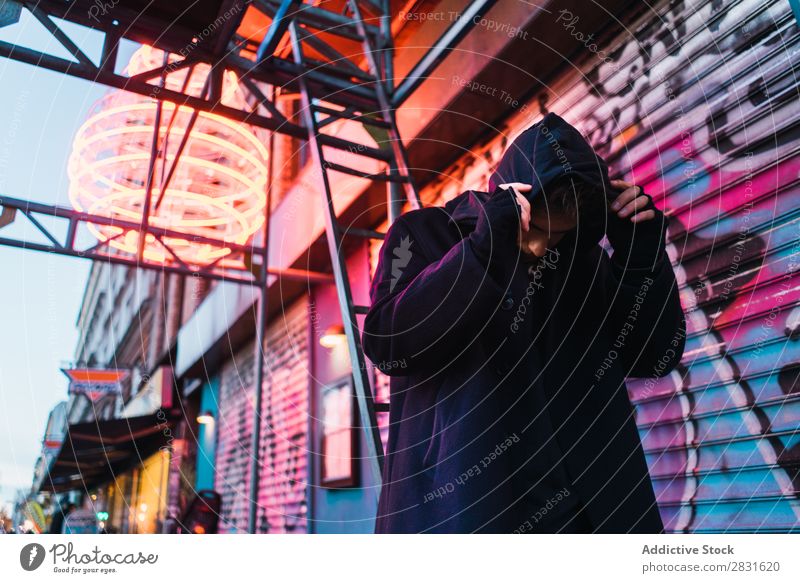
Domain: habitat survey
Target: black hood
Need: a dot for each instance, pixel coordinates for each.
(549, 149)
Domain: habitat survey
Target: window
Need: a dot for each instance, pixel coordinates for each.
(339, 443)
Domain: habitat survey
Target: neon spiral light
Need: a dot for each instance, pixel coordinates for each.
(217, 189)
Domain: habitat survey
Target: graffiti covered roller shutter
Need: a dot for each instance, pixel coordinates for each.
(284, 439)
(706, 100)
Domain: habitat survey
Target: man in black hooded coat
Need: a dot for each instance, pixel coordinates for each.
(508, 406)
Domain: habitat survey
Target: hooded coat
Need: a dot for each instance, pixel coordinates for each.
(471, 358)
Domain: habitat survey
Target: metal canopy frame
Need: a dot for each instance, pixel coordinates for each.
(304, 50)
(62, 240)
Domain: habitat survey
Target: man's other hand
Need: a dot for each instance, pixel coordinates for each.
(632, 203)
(636, 228)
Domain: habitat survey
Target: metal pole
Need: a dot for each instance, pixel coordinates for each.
(155, 150)
(444, 45)
(255, 443)
(396, 195)
(260, 350)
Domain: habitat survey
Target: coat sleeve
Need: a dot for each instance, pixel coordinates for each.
(647, 322)
(424, 310)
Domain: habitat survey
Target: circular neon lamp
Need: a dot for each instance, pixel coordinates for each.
(216, 190)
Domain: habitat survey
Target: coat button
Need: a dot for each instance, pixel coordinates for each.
(508, 303)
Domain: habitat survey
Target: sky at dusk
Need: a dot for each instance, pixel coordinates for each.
(40, 293)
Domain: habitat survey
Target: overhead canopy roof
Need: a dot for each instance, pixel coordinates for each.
(94, 453)
(176, 25)
(169, 24)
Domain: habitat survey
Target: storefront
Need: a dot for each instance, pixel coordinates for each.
(136, 501)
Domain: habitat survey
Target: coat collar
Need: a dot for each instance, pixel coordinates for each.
(464, 209)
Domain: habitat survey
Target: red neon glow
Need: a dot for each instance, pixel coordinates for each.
(217, 189)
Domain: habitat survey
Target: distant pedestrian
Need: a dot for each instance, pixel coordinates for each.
(59, 517)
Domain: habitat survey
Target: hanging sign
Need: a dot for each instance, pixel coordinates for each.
(95, 382)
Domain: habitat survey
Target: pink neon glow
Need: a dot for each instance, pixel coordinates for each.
(217, 189)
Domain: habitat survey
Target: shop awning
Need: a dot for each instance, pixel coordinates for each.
(94, 453)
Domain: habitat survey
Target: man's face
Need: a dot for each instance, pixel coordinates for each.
(547, 227)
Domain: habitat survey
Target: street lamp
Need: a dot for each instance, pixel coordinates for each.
(205, 418)
(334, 336)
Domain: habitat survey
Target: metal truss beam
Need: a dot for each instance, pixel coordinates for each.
(64, 243)
(135, 85)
